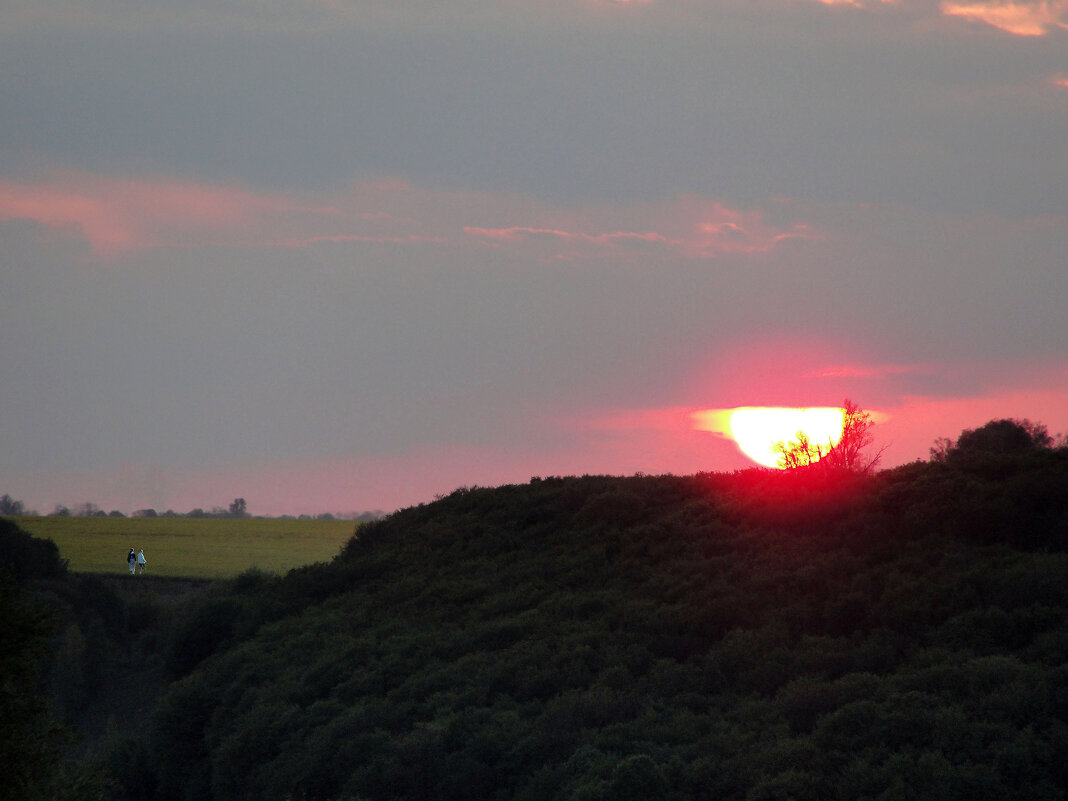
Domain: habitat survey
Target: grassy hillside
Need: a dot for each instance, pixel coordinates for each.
(751, 636)
(191, 547)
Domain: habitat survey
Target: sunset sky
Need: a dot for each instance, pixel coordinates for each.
(335, 255)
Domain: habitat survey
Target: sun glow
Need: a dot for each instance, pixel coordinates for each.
(758, 429)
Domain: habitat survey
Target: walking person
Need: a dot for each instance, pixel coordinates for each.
(141, 561)
(131, 560)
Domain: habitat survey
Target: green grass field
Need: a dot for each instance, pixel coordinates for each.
(191, 547)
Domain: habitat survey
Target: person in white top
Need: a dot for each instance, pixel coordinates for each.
(141, 561)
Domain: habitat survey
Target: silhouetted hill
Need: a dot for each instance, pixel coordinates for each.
(760, 635)
(751, 636)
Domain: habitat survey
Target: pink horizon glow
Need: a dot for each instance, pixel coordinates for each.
(680, 440)
(878, 371)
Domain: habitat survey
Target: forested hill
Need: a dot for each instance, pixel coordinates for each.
(748, 636)
(761, 635)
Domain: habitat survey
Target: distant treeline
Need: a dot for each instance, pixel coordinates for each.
(11, 507)
(753, 636)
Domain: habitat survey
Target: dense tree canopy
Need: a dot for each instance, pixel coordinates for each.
(30, 736)
(758, 635)
(997, 438)
(751, 636)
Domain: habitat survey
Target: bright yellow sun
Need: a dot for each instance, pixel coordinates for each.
(757, 429)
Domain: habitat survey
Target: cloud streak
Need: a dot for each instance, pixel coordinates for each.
(1019, 18)
(123, 214)
(687, 227)
(120, 215)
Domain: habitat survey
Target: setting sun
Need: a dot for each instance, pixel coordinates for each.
(757, 429)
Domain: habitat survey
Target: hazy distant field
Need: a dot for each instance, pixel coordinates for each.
(195, 547)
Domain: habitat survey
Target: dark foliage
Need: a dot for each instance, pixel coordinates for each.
(63, 637)
(751, 636)
(24, 557)
(998, 438)
(29, 734)
(33, 740)
(10, 506)
(761, 635)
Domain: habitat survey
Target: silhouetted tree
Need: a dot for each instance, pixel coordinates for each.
(941, 449)
(239, 508)
(9, 506)
(801, 451)
(851, 452)
(1004, 436)
(25, 557)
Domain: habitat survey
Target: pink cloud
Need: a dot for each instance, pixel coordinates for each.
(120, 215)
(1019, 18)
(559, 243)
(688, 226)
(721, 229)
(859, 4)
(519, 234)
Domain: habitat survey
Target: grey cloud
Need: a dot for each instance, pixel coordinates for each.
(863, 111)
